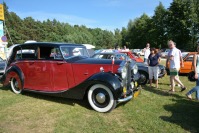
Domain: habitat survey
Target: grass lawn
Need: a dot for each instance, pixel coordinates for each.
(154, 110)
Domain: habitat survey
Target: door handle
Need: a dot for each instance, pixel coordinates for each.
(60, 63)
(31, 63)
(86, 73)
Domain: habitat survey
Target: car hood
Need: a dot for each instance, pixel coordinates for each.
(84, 60)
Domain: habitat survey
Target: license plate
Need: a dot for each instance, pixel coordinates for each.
(136, 93)
(136, 84)
(124, 90)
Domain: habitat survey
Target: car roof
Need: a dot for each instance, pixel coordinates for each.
(51, 44)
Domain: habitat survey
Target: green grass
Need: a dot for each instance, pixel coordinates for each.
(155, 110)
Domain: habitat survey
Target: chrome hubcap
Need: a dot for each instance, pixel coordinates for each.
(100, 97)
(143, 78)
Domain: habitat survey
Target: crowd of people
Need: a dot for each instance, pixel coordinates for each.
(174, 61)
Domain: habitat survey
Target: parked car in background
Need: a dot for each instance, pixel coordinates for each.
(138, 52)
(188, 60)
(131, 55)
(2, 67)
(142, 67)
(127, 52)
(164, 53)
(65, 70)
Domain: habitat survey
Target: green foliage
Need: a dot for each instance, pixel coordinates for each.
(180, 22)
(25, 29)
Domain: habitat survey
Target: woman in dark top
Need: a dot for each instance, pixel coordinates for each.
(153, 61)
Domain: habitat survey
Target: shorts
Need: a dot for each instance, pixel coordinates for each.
(174, 72)
(153, 72)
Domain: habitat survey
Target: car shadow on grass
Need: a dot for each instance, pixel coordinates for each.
(162, 92)
(184, 112)
(61, 100)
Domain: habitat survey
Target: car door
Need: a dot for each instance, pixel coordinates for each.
(62, 74)
(187, 64)
(39, 75)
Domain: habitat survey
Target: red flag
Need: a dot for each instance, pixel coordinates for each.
(113, 61)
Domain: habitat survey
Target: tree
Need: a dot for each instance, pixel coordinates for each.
(159, 35)
(139, 31)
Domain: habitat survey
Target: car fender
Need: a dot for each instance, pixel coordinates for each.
(108, 79)
(11, 72)
(143, 68)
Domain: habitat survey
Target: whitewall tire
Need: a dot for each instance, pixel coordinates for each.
(101, 98)
(15, 86)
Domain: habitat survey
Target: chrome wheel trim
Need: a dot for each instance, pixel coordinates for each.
(100, 97)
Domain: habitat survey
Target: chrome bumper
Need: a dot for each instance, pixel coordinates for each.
(135, 94)
(125, 99)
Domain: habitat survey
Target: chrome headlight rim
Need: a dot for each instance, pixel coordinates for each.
(124, 72)
(135, 69)
(159, 70)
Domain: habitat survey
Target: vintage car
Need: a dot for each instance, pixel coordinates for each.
(65, 70)
(131, 55)
(138, 52)
(188, 60)
(142, 67)
(127, 52)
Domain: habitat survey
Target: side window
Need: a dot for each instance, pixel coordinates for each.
(49, 53)
(56, 54)
(189, 58)
(25, 54)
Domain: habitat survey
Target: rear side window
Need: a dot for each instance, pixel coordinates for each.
(25, 54)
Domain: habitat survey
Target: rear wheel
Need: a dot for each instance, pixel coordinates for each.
(15, 86)
(101, 98)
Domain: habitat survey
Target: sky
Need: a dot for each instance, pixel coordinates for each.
(105, 14)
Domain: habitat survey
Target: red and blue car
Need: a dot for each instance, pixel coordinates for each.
(65, 70)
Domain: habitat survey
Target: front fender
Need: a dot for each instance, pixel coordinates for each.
(13, 71)
(108, 79)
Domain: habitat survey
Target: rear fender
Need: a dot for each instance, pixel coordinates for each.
(13, 72)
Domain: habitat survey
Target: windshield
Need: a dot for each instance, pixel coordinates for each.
(70, 51)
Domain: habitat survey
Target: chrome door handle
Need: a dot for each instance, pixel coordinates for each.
(60, 63)
(86, 73)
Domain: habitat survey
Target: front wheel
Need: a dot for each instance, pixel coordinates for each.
(101, 98)
(144, 77)
(15, 86)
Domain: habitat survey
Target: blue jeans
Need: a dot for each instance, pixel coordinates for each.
(195, 89)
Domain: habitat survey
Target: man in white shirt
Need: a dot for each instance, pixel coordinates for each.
(175, 59)
(146, 52)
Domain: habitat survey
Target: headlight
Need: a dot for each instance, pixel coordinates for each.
(159, 70)
(135, 69)
(124, 72)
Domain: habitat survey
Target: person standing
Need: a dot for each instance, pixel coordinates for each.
(153, 61)
(146, 52)
(196, 70)
(175, 59)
